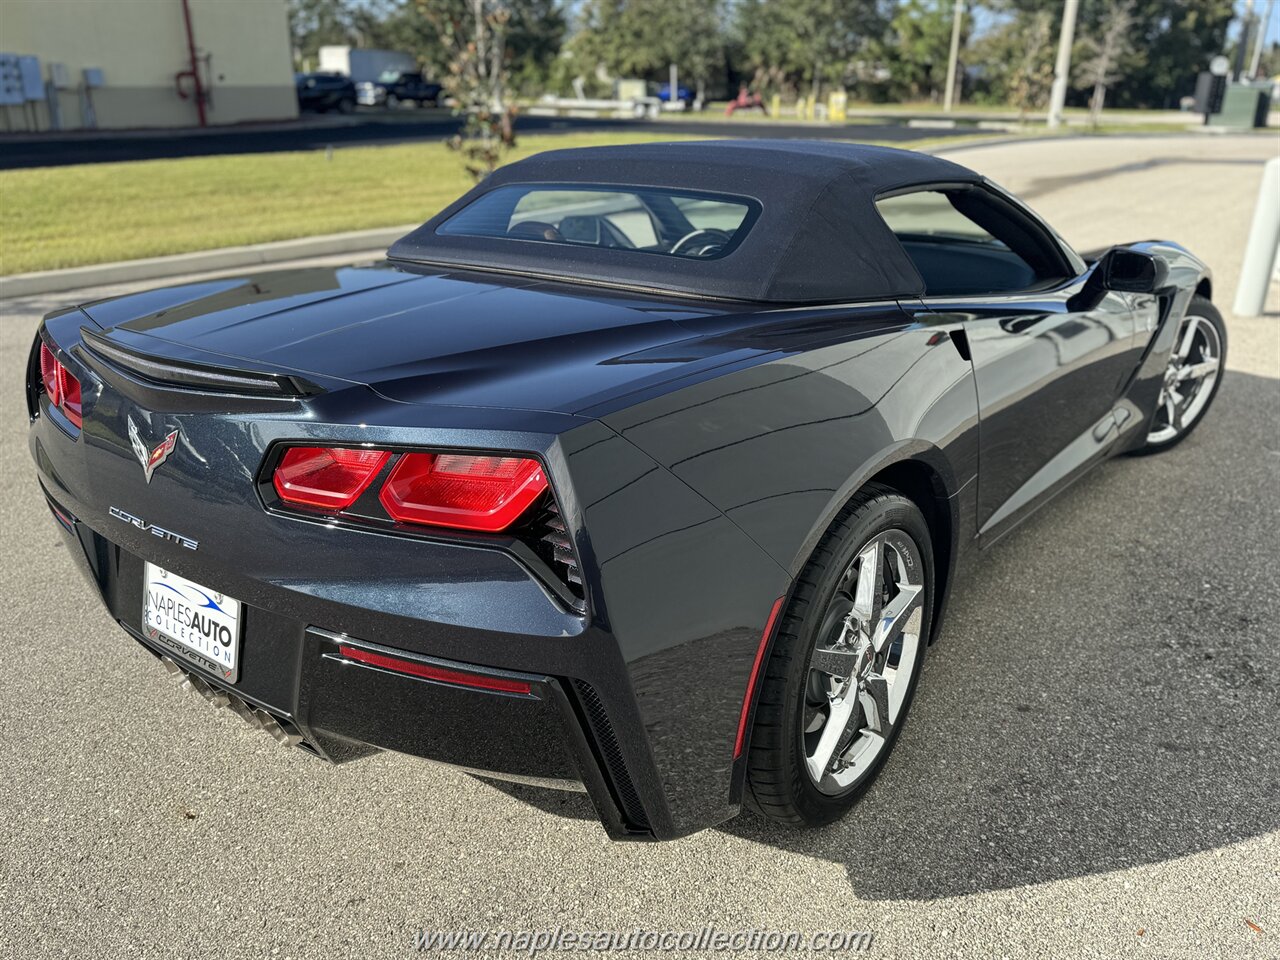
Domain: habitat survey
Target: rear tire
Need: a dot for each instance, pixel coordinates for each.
(844, 664)
(1192, 377)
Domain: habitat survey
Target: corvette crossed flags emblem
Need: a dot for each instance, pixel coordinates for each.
(151, 459)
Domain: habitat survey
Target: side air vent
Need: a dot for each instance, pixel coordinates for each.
(611, 755)
(184, 375)
(557, 549)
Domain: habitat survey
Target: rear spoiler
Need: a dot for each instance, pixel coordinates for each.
(185, 375)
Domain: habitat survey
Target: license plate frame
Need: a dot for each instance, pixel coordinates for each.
(201, 626)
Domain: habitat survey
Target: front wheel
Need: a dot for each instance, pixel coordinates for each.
(844, 664)
(1191, 377)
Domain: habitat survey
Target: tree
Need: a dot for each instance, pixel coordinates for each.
(534, 38)
(1171, 41)
(1017, 54)
(806, 43)
(534, 33)
(1102, 51)
(642, 38)
(399, 25)
(918, 48)
(317, 23)
(1033, 78)
(1269, 62)
(474, 32)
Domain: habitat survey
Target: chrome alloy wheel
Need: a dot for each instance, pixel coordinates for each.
(1188, 379)
(861, 668)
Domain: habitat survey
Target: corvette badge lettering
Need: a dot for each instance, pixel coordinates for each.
(152, 529)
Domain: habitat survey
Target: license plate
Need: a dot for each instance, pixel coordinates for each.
(199, 624)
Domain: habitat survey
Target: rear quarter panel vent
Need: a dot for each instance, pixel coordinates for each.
(556, 548)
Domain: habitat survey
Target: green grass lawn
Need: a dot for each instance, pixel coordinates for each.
(56, 217)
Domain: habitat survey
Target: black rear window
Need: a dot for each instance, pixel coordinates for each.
(646, 220)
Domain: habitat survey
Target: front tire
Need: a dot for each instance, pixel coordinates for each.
(844, 664)
(1191, 378)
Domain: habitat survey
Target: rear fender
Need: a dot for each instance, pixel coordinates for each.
(1158, 317)
(736, 478)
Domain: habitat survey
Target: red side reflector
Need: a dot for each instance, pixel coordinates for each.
(749, 696)
(62, 517)
(427, 671)
(62, 388)
(462, 491)
(329, 477)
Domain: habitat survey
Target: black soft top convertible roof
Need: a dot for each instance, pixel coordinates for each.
(818, 238)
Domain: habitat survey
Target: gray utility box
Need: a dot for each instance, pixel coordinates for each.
(1242, 107)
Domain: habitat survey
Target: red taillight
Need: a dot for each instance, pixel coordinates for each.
(62, 388)
(463, 491)
(427, 671)
(332, 478)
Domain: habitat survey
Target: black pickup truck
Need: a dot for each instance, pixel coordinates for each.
(396, 87)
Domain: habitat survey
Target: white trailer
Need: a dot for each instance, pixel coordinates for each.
(363, 65)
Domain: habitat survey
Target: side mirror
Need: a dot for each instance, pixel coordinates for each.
(1130, 271)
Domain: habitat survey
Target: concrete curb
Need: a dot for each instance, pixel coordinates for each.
(224, 258)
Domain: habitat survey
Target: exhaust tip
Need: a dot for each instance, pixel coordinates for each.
(282, 733)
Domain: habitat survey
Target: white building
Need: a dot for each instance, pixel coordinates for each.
(143, 63)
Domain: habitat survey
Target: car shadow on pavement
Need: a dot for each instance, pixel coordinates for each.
(1104, 693)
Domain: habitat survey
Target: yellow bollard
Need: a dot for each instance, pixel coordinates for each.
(837, 105)
(775, 105)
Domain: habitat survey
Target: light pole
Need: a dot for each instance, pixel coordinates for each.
(1245, 23)
(1062, 69)
(1258, 43)
(949, 98)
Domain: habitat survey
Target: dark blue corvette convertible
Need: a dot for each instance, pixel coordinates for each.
(639, 470)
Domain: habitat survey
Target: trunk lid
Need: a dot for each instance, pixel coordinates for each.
(422, 337)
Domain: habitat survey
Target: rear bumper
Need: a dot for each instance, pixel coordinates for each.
(300, 682)
(644, 656)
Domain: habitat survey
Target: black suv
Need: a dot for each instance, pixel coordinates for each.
(399, 86)
(325, 91)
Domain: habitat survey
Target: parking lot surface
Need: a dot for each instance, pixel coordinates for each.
(1091, 768)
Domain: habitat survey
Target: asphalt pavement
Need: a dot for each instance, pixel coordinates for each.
(1091, 768)
(318, 132)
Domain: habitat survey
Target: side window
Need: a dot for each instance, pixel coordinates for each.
(964, 243)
